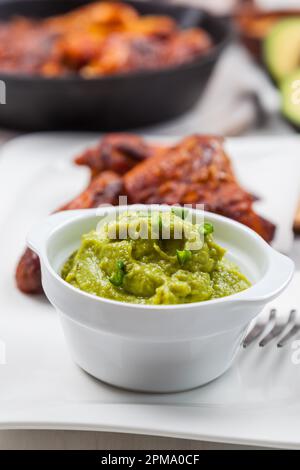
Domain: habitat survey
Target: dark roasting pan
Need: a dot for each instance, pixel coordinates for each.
(110, 103)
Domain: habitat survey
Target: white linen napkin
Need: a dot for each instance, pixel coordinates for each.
(237, 96)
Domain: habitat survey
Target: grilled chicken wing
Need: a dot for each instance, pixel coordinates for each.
(116, 152)
(109, 15)
(97, 39)
(196, 171)
(128, 51)
(28, 273)
(104, 189)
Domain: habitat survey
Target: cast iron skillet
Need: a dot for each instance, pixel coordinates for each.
(109, 103)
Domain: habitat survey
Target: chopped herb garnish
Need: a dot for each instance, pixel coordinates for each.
(183, 256)
(117, 278)
(206, 228)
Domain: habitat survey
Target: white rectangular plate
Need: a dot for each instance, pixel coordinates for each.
(256, 402)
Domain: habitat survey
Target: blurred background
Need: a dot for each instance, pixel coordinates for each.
(244, 96)
(251, 87)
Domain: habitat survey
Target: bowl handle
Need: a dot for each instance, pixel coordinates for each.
(279, 275)
(38, 235)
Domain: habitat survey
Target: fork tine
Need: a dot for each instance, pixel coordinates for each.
(288, 336)
(291, 333)
(278, 329)
(258, 329)
(293, 315)
(254, 333)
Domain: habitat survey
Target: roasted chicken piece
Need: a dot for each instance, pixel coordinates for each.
(87, 41)
(161, 27)
(74, 51)
(82, 32)
(116, 152)
(195, 171)
(108, 15)
(24, 46)
(28, 273)
(188, 44)
(100, 38)
(125, 52)
(104, 189)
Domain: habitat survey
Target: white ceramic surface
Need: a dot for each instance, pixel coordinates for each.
(255, 403)
(156, 348)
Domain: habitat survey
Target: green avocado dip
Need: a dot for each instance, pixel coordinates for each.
(176, 261)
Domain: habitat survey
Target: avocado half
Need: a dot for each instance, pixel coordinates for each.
(290, 92)
(281, 48)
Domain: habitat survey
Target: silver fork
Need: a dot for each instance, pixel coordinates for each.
(274, 328)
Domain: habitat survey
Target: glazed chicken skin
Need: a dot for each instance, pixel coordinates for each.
(116, 152)
(195, 171)
(101, 38)
(103, 16)
(28, 273)
(103, 189)
(127, 52)
(24, 46)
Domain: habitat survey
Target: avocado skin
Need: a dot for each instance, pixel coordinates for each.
(280, 40)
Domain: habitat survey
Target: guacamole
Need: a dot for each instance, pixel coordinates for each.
(161, 258)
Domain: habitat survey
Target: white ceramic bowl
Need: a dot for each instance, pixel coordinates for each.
(156, 348)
